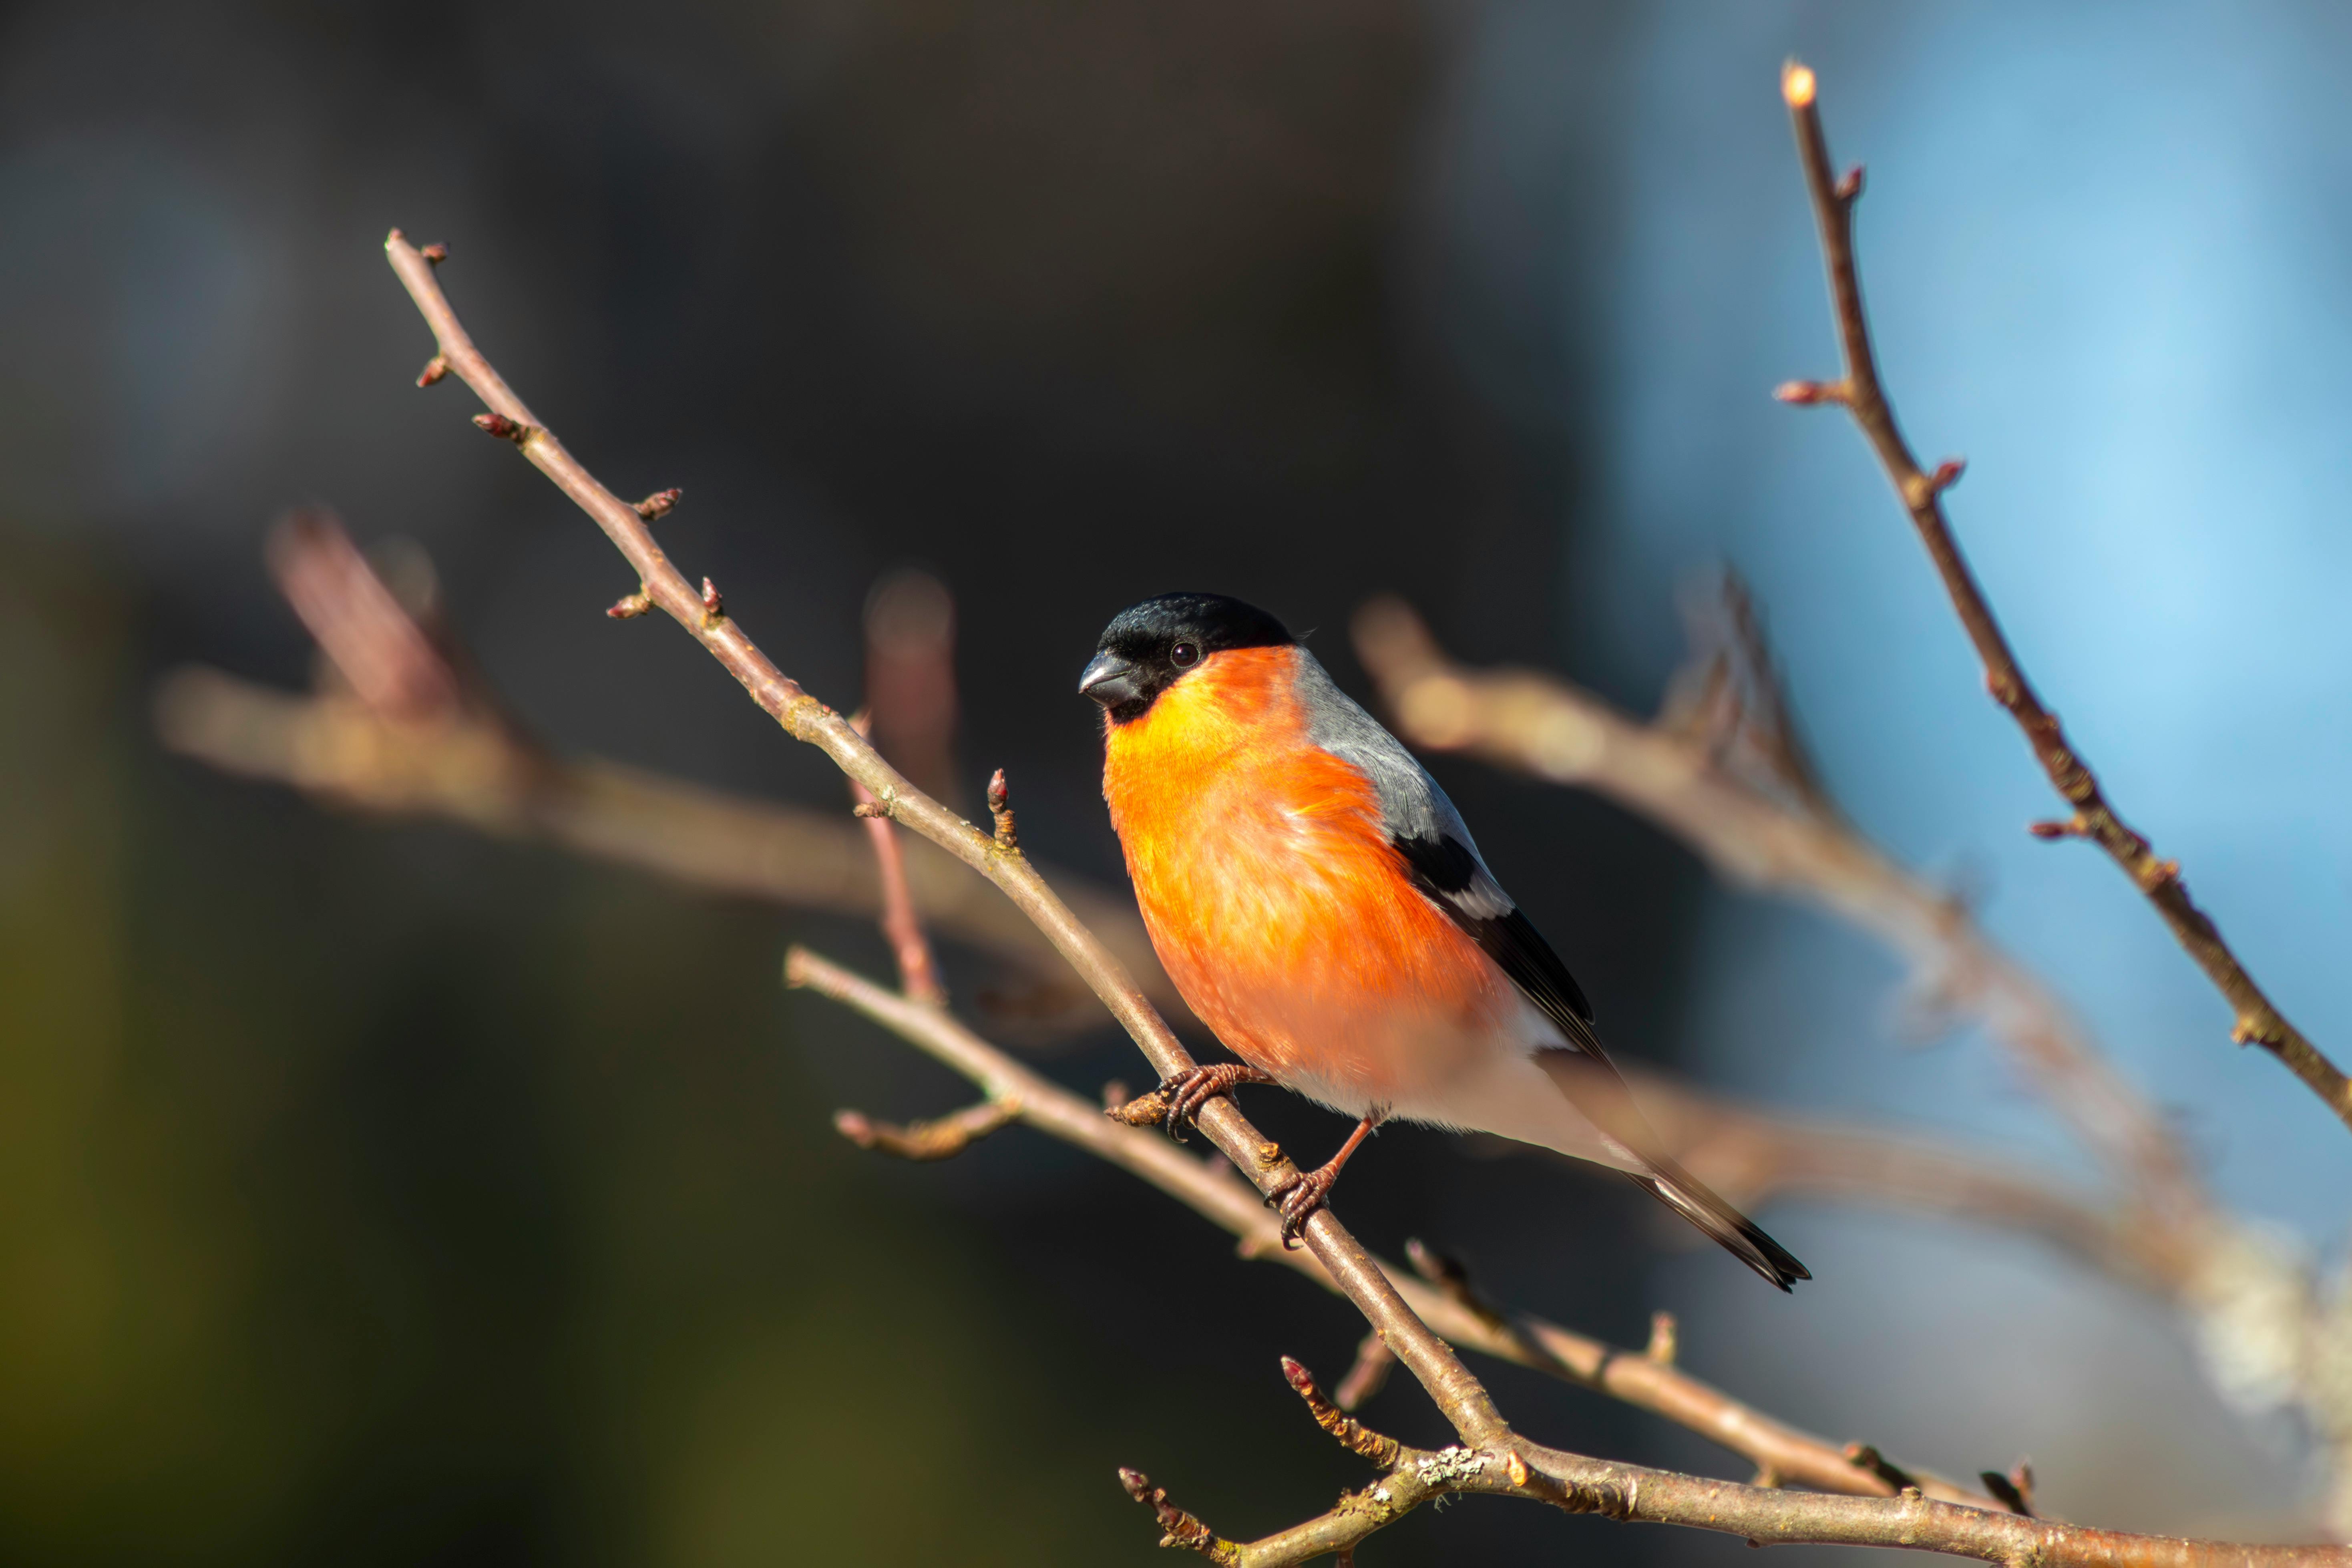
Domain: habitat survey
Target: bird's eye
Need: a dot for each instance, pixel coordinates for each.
(1184, 654)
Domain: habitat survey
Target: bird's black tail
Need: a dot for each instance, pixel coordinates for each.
(1689, 1197)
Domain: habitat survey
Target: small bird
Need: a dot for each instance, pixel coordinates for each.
(1319, 904)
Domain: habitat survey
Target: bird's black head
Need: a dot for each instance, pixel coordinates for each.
(1148, 646)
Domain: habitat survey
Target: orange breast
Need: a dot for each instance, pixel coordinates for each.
(1265, 878)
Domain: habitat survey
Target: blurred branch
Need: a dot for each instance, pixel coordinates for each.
(910, 677)
(918, 971)
(925, 1140)
(1859, 392)
(1752, 1158)
(708, 840)
(703, 616)
(910, 704)
(405, 732)
(1674, 773)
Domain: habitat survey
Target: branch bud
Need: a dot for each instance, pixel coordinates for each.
(1862, 1457)
(658, 504)
(504, 428)
(1181, 1529)
(1000, 808)
(1921, 489)
(1346, 1430)
(1805, 393)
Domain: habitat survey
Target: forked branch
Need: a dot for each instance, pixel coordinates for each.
(1574, 1484)
(1651, 1383)
(1860, 393)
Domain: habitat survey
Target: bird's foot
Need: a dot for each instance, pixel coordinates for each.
(1191, 1090)
(1298, 1198)
(1301, 1195)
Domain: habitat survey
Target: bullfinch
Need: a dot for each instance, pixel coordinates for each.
(1319, 904)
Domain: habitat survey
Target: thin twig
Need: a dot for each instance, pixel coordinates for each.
(2258, 1021)
(925, 1140)
(1457, 1393)
(1446, 1304)
(919, 971)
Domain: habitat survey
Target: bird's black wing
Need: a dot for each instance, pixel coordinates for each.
(1440, 858)
(1450, 874)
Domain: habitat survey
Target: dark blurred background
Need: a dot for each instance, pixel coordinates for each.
(384, 1194)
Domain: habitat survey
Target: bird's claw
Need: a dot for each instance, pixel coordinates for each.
(1189, 1090)
(1298, 1198)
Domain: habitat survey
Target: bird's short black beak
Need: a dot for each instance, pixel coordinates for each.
(1110, 680)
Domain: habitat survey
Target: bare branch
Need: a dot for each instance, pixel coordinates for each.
(2258, 1022)
(918, 971)
(1448, 1304)
(1764, 1516)
(389, 662)
(475, 772)
(926, 1141)
(1451, 1385)
(1368, 1376)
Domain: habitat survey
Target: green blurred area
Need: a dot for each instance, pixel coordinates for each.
(349, 1211)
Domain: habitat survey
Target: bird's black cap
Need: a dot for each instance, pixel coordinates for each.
(1148, 646)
